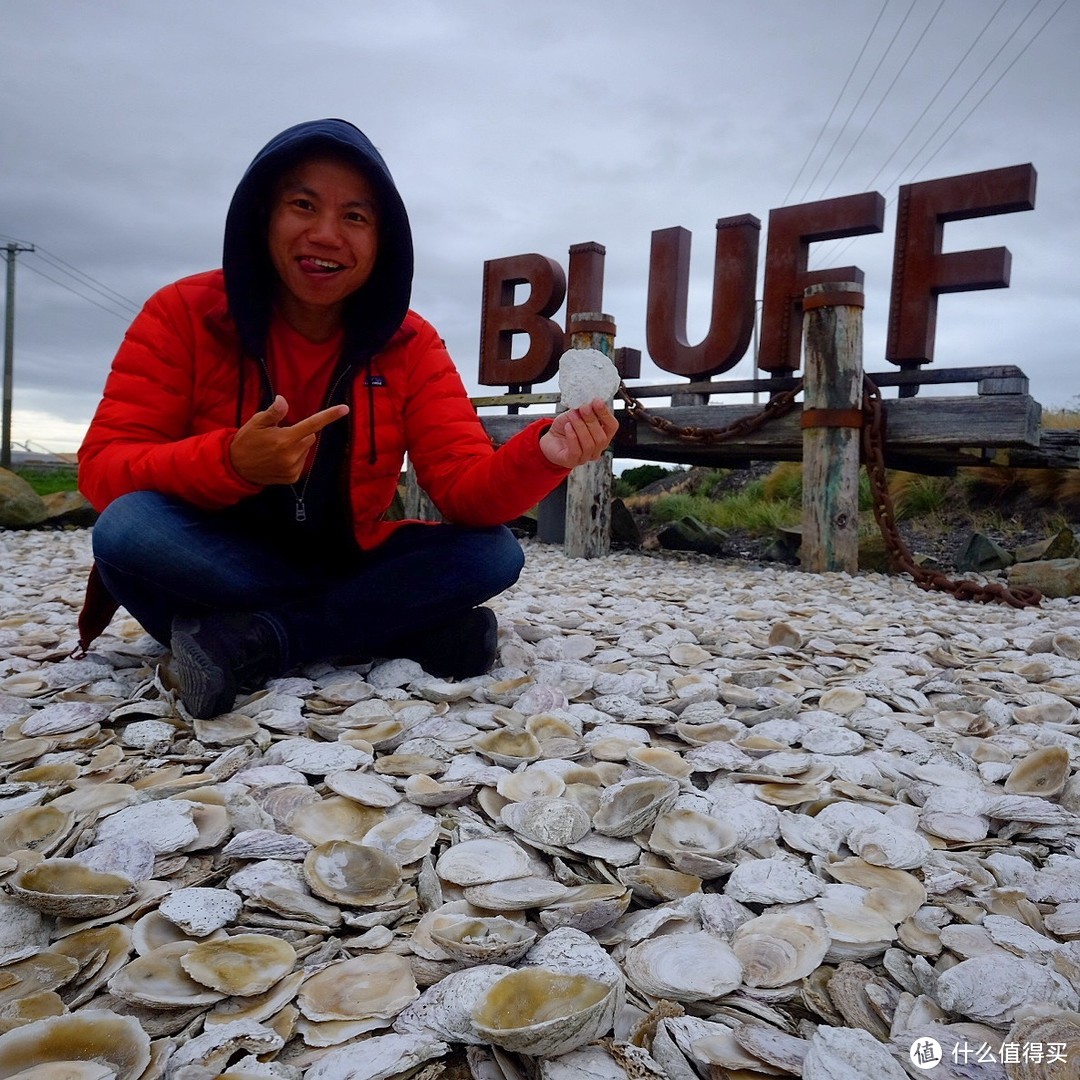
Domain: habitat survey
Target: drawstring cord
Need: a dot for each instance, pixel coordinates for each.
(373, 453)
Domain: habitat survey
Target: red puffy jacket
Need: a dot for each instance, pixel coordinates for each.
(178, 391)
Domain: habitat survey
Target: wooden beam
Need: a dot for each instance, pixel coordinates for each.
(991, 379)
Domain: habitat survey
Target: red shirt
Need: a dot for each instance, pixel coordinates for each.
(300, 370)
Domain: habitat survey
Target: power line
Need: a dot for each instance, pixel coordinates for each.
(858, 101)
(839, 252)
(990, 88)
(836, 103)
(940, 90)
(81, 277)
(91, 282)
(884, 96)
(63, 285)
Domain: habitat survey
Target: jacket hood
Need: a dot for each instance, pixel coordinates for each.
(375, 311)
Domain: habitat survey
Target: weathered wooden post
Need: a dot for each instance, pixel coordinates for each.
(831, 419)
(588, 487)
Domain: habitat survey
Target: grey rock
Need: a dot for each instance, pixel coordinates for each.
(874, 554)
(624, 528)
(1052, 577)
(786, 545)
(690, 534)
(1060, 546)
(982, 555)
(20, 506)
(69, 508)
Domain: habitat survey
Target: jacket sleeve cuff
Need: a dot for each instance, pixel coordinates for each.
(534, 432)
(244, 487)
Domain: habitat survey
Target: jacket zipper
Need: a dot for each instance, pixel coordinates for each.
(301, 508)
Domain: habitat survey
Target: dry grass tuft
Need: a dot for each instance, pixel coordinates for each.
(784, 482)
(1049, 489)
(1063, 420)
(915, 495)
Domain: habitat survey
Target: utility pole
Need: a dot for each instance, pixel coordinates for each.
(9, 349)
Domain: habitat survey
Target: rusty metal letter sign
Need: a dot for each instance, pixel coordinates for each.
(921, 271)
(734, 278)
(792, 229)
(503, 318)
(585, 282)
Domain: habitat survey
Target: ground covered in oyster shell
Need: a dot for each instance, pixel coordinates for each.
(860, 801)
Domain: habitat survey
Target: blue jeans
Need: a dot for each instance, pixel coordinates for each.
(161, 557)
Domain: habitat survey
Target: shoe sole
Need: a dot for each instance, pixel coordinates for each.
(206, 689)
(486, 631)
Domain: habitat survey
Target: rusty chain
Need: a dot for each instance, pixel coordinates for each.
(873, 456)
(777, 406)
(873, 450)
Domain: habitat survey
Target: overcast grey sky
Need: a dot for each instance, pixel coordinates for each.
(515, 128)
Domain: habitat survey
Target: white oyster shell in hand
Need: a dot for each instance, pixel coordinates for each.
(585, 375)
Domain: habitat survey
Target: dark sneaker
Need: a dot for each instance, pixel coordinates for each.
(458, 649)
(217, 656)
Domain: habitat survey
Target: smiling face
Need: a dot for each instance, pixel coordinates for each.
(323, 241)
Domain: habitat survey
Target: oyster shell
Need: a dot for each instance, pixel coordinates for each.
(1061, 1032)
(586, 907)
(158, 981)
(780, 947)
(384, 1056)
(35, 828)
(481, 940)
(405, 837)
(444, 1011)
(364, 788)
(693, 842)
(335, 818)
(1042, 772)
(351, 874)
(841, 1052)
(364, 987)
(68, 887)
(634, 804)
(98, 1036)
(993, 989)
(544, 1013)
(516, 894)
(684, 967)
(480, 861)
(547, 822)
(242, 965)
